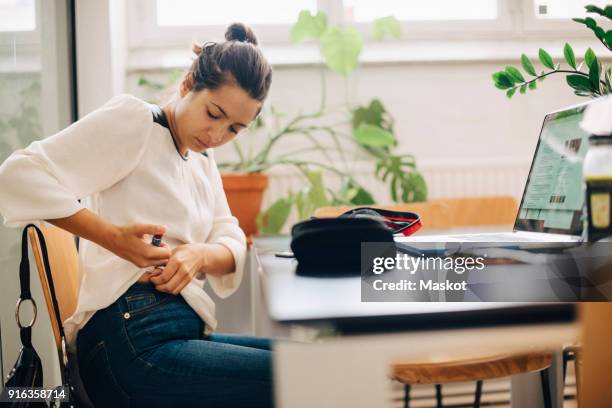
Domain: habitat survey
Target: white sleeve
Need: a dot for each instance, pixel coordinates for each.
(227, 232)
(45, 180)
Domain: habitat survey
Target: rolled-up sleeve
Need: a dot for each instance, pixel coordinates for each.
(227, 232)
(46, 179)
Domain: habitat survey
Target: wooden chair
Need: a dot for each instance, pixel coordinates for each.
(449, 213)
(477, 369)
(64, 263)
(63, 259)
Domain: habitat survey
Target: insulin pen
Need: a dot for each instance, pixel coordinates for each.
(157, 240)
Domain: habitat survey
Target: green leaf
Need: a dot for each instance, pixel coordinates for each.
(594, 9)
(608, 79)
(369, 135)
(568, 53)
(590, 22)
(363, 197)
(515, 74)
(373, 114)
(308, 26)
(546, 59)
(510, 92)
(600, 33)
(594, 73)
(316, 192)
(272, 220)
(527, 65)
(341, 48)
(415, 188)
(523, 88)
(533, 85)
(354, 194)
(153, 85)
(589, 57)
(386, 25)
(608, 12)
(579, 20)
(502, 80)
(608, 38)
(579, 82)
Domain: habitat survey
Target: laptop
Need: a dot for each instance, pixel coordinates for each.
(553, 198)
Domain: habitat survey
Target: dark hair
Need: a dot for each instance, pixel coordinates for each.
(239, 58)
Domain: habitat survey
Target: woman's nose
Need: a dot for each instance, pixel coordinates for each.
(216, 135)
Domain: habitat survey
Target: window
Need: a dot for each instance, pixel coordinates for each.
(563, 9)
(171, 25)
(367, 10)
(197, 12)
(17, 15)
(176, 23)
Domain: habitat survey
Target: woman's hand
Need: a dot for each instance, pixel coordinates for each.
(127, 242)
(186, 261)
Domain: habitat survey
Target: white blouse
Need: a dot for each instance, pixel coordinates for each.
(125, 168)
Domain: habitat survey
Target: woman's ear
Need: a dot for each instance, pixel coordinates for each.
(186, 84)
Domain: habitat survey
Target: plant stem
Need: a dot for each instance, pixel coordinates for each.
(560, 71)
(305, 150)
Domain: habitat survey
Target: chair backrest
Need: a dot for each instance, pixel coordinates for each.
(63, 259)
(448, 213)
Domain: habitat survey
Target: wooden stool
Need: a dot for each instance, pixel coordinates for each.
(475, 369)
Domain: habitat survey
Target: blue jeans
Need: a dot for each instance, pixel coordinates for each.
(148, 350)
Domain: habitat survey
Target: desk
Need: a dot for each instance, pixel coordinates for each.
(353, 370)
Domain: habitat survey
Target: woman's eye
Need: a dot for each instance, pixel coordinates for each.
(234, 131)
(210, 115)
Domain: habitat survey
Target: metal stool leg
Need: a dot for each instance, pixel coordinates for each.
(567, 356)
(546, 388)
(439, 396)
(478, 394)
(406, 395)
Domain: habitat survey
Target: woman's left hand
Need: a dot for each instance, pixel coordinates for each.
(185, 262)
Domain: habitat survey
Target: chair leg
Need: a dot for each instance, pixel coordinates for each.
(439, 396)
(406, 395)
(567, 356)
(546, 388)
(478, 394)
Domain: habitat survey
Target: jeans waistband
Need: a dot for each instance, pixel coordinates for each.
(141, 287)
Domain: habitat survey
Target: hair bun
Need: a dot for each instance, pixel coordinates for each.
(240, 32)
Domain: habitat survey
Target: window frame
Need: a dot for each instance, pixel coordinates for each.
(459, 29)
(144, 31)
(27, 40)
(544, 27)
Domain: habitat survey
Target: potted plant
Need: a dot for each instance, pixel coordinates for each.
(327, 145)
(589, 78)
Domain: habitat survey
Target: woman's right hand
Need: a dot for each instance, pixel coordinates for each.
(127, 242)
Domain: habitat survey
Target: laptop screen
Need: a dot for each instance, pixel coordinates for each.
(553, 198)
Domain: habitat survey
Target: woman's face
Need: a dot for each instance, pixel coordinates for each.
(211, 118)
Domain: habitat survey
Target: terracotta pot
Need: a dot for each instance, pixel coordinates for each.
(244, 192)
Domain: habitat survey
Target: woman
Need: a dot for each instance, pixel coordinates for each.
(120, 175)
